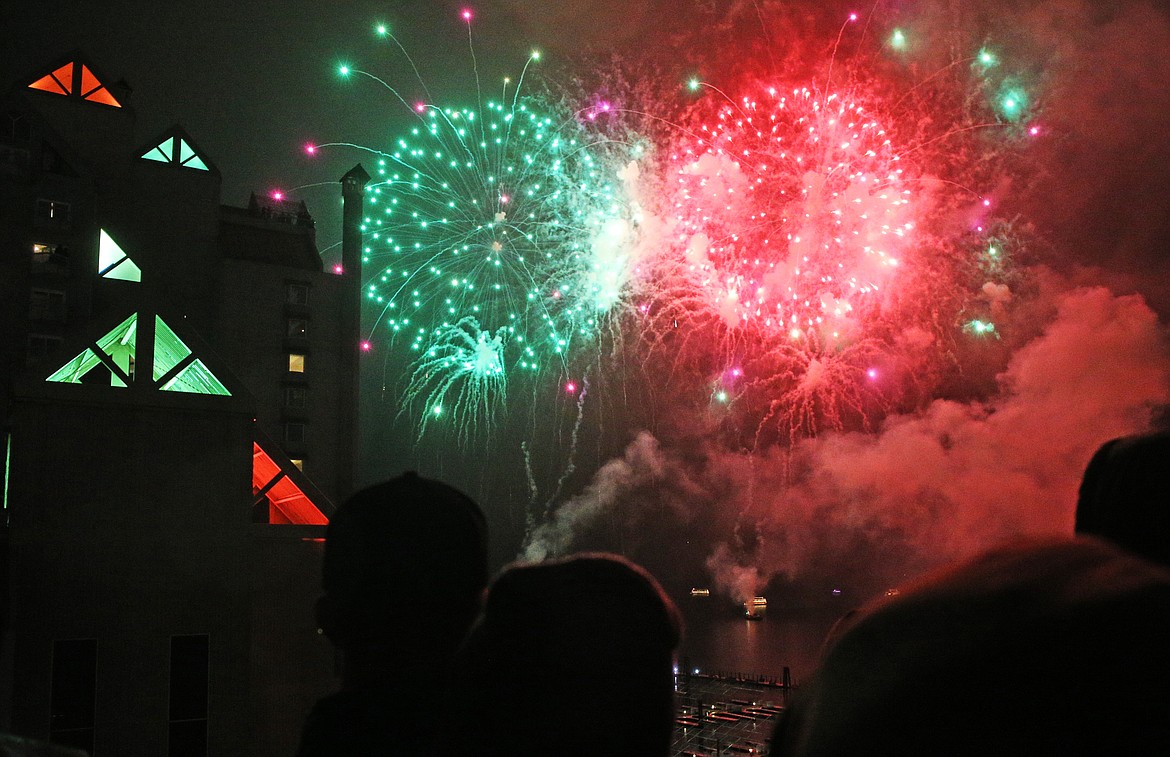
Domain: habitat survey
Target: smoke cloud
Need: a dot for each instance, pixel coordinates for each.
(869, 511)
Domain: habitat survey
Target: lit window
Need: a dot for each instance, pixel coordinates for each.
(295, 396)
(294, 433)
(46, 305)
(299, 463)
(177, 151)
(296, 363)
(113, 262)
(298, 328)
(43, 252)
(52, 212)
(75, 81)
(297, 294)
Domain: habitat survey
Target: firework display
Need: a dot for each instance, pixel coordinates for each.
(790, 252)
(495, 248)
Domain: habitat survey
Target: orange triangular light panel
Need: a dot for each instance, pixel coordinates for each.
(60, 82)
(94, 91)
(287, 504)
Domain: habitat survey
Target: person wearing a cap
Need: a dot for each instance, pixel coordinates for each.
(404, 570)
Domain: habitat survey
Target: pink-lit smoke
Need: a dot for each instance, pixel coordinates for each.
(928, 487)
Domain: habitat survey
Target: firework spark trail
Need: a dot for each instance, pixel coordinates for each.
(496, 246)
(811, 252)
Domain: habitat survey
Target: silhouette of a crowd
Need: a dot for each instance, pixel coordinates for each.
(1054, 647)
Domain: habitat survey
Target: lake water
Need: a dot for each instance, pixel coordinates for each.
(719, 639)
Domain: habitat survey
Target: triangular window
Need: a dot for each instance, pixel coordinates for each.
(76, 80)
(176, 150)
(113, 262)
(109, 362)
(178, 369)
(277, 498)
(60, 82)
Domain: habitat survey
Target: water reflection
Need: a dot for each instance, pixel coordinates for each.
(719, 637)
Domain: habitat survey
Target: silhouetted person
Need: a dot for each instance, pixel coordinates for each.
(1125, 495)
(570, 657)
(404, 569)
(1055, 648)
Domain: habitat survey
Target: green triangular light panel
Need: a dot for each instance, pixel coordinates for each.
(113, 262)
(71, 372)
(196, 378)
(118, 345)
(125, 271)
(169, 349)
(121, 337)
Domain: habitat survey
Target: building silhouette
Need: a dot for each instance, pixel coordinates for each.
(178, 397)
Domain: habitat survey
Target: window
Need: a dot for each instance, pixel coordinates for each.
(40, 345)
(298, 328)
(46, 305)
(72, 693)
(43, 252)
(297, 294)
(53, 213)
(190, 668)
(296, 363)
(294, 433)
(296, 396)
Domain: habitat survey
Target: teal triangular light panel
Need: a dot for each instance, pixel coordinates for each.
(156, 153)
(195, 162)
(71, 372)
(166, 149)
(169, 350)
(196, 378)
(187, 156)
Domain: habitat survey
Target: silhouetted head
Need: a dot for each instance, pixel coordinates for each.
(572, 657)
(1125, 495)
(1056, 648)
(404, 568)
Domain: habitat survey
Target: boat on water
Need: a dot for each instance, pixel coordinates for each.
(755, 608)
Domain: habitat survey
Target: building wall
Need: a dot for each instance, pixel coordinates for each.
(130, 512)
(286, 559)
(127, 525)
(251, 331)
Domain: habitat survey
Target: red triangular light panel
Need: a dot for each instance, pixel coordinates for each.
(92, 89)
(60, 82)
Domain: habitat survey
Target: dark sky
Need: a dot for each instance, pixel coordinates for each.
(252, 82)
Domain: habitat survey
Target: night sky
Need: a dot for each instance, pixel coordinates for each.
(254, 82)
